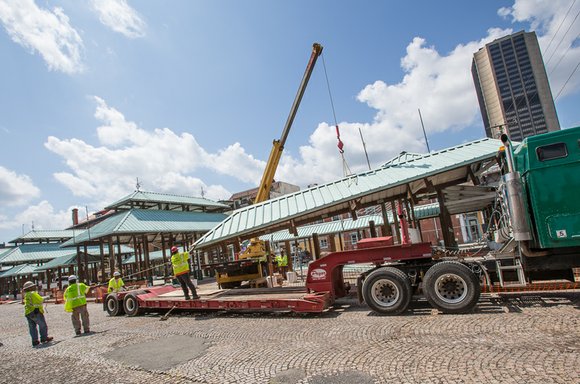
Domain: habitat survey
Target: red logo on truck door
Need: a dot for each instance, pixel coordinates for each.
(318, 274)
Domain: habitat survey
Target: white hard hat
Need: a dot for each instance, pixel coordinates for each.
(116, 274)
(28, 284)
(72, 277)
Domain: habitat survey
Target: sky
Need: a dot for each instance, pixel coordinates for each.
(187, 96)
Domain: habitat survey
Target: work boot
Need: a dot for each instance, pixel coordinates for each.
(47, 340)
(187, 298)
(195, 296)
(78, 333)
(87, 332)
(35, 343)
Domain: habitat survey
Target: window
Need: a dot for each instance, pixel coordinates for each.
(323, 243)
(354, 238)
(552, 151)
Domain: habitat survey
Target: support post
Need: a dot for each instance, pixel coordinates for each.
(316, 243)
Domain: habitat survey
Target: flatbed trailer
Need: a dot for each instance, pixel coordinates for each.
(324, 285)
(161, 298)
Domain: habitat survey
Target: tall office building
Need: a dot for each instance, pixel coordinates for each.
(512, 87)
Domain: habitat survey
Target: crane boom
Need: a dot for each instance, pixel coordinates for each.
(278, 145)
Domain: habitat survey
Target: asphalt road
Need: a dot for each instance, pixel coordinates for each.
(510, 339)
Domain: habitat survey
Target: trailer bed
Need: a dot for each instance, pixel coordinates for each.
(286, 299)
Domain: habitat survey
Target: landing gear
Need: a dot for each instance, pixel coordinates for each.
(451, 287)
(387, 291)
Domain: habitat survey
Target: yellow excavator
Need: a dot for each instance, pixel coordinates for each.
(250, 261)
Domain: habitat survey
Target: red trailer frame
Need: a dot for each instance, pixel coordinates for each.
(324, 284)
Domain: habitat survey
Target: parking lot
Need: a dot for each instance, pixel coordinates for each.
(532, 338)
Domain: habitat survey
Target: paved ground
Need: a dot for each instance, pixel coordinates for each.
(520, 339)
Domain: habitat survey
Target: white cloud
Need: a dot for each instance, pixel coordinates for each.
(46, 32)
(558, 32)
(43, 216)
(16, 189)
(440, 85)
(161, 159)
(120, 17)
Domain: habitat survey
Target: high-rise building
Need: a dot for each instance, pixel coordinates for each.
(512, 87)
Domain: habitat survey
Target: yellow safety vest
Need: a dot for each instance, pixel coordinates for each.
(180, 263)
(283, 262)
(115, 285)
(75, 296)
(32, 301)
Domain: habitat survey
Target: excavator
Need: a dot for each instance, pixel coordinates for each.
(249, 265)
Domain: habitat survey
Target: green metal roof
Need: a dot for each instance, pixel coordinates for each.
(45, 235)
(65, 261)
(147, 221)
(19, 270)
(156, 255)
(394, 180)
(4, 251)
(35, 253)
(401, 158)
(347, 225)
(148, 200)
(49, 251)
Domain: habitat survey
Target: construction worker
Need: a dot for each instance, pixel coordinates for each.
(75, 298)
(116, 284)
(180, 264)
(35, 314)
(282, 260)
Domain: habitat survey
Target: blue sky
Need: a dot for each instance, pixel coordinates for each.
(188, 95)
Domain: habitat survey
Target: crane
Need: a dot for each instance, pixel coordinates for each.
(234, 274)
(278, 145)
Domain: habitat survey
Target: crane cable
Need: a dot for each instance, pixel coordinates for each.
(345, 168)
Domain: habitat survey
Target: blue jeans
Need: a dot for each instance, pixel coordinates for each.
(34, 320)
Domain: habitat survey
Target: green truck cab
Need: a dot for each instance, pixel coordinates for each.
(549, 166)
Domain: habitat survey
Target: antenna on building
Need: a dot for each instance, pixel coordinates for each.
(364, 147)
(202, 192)
(137, 185)
(424, 134)
(33, 225)
(88, 225)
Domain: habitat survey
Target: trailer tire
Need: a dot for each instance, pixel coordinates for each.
(451, 287)
(112, 305)
(387, 291)
(131, 305)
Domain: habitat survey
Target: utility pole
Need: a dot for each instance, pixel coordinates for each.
(364, 147)
(424, 134)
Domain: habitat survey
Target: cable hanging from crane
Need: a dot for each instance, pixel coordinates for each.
(345, 168)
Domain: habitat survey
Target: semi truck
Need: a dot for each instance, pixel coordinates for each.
(533, 233)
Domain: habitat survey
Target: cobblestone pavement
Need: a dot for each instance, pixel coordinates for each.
(509, 339)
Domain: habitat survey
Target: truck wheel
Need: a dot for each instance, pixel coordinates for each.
(451, 287)
(112, 306)
(131, 305)
(387, 291)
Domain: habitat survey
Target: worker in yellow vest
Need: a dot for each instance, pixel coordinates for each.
(35, 314)
(75, 298)
(282, 260)
(180, 264)
(116, 284)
